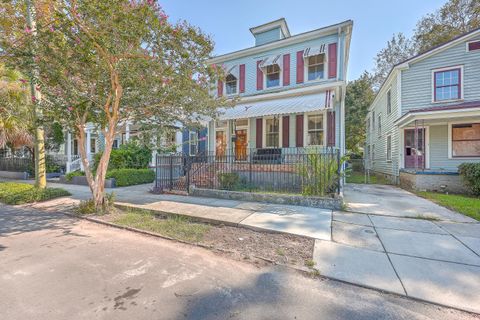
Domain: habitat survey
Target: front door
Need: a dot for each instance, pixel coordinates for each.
(414, 148)
(241, 145)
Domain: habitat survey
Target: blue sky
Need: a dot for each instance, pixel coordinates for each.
(375, 21)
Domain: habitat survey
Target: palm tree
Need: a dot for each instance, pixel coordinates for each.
(15, 114)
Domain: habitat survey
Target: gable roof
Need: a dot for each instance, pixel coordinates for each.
(422, 56)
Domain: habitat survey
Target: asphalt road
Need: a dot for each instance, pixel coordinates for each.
(55, 267)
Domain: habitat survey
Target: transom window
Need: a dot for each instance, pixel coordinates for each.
(316, 67)
(466, 140)
(231, 84)
(315, 130)
(273, 76)
(447, 85)
(272, 127)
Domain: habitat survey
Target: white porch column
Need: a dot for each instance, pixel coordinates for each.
(89, 156)
(153, 162)
(69, 152)
(179, 141)
(127, 131)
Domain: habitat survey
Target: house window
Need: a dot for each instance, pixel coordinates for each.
(193, 143)
(368, 125)
(231, 84)
(273, 76)
(473, 46)
(389, 101)
(379, 125)
(272, 132)
(466, 140)
(372, 159)
(447, 85)
(316, 67)
(115, 144)
(389, 148)
(93, 147)
(315, 130)
(373, 120)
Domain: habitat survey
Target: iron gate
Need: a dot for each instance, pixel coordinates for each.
(172, 173)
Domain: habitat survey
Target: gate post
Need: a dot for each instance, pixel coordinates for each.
(339, 171)
(188, 165)
(171, 172)
(157, 172)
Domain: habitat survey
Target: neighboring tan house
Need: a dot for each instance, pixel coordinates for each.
(291, 91)
(425, 119)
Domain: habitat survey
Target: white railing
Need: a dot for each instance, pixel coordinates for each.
(75, 164)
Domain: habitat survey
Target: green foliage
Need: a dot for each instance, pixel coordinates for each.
(130, 177)
(229, 181)
(69, 176)
(470, 172)
(54, 136)
(319, 174)
(451, 20)
(20, 193)
(128, 156)
(358, 98)
(88, 206)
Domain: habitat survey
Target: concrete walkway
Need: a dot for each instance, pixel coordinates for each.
(437, 261)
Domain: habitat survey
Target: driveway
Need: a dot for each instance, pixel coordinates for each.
(382, 243)
(54, 267)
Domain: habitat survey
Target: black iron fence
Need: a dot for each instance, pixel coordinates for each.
(307, 171)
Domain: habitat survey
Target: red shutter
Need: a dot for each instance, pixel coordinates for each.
(299, 130)
(285, 131)
(286, 69)
(220, 88)
(242, 78)
(332, 60)
(259, 133)
(331, 128)
(300, 70)
(259, 76)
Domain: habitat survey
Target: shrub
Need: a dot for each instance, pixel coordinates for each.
(128, 156)
(470, 173)
(130, 177)
(20, 193)
(69, 176)
(88, 206)
(229, 181)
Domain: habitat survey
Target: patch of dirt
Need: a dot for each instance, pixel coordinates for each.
(246, 244)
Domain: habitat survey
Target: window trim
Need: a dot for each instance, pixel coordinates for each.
(389, 137)
(190, 142)
(237, 86)
(434, 89)
(468, 46)
(280, 131)
(280, 80)
(379, 125)
(401, 145)
(305, 127)
(450, 141)
(325, 68)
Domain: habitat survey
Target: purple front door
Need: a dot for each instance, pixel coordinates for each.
(414, 148)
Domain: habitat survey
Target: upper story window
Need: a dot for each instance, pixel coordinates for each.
(231, 84)
(473, 46)
(373, 120)
(379, 125)
(389, 101)
(273, 75)
(447, 84)
(315, 130)
(316, 67)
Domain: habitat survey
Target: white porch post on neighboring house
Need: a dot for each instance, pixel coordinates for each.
(69, 152)
(179, 141)
(153, 162)
(127, 131)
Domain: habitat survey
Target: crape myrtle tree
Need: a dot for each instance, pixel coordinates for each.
(106, 62)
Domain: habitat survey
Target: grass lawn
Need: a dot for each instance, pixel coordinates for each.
(357, 177)
(20, 193)
(469, 206)
(175, 227)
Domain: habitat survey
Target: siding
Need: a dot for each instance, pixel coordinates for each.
(251, 65)
(380, 163)
(417, 80)
(439, 150)
(268, 36)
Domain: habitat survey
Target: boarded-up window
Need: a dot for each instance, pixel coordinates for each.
(466, 140)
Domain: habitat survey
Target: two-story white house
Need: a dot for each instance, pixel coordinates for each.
(291, 91)
(425, 119)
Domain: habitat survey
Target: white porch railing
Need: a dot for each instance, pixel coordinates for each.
(75, 164)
